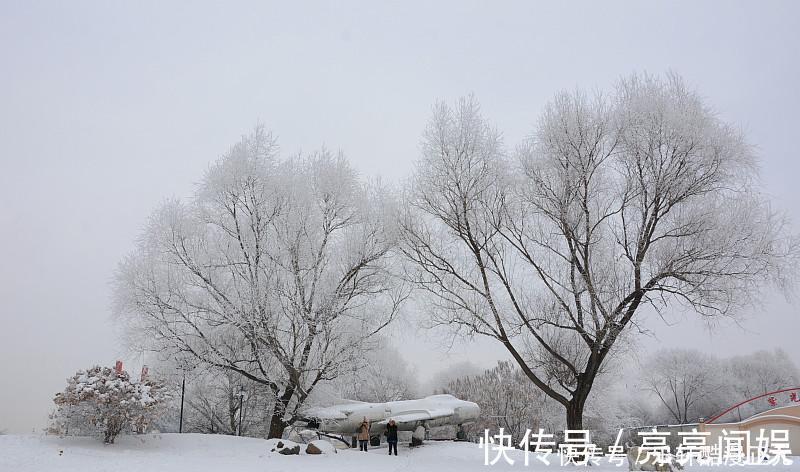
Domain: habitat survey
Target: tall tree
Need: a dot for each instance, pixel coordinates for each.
(278, 270)
(641, 199)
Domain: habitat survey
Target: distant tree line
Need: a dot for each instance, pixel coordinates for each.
(671, 386)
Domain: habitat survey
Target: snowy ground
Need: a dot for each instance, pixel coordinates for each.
(199, 453)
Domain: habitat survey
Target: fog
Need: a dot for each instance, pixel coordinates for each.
(107, 108)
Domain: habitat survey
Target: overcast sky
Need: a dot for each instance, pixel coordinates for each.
(107, 108)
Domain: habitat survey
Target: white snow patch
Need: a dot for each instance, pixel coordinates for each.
(215, 453)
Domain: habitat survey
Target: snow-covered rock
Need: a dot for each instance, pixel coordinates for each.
(320, 447)
(290, 450)
(283, 446)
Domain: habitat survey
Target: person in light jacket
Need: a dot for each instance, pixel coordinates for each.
(391, 436)
(363, 435)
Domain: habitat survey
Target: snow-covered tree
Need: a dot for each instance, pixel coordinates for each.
(508, 400)
(106, 401)
(761, 372)
(641, 199)
(213, 401)
(688, 383)
(749, 375)
(611, 407)
(383, 377)
(278, 270)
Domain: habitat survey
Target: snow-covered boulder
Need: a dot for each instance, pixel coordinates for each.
(290, 451)
(283, 446)
(320, 447)
(312, 449)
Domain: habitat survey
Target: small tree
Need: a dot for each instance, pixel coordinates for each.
(106, 401)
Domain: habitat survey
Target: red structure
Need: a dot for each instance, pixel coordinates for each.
(771, 399)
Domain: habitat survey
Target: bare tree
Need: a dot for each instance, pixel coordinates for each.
(643, 199)
(213, 404)
(758, 373)
(278, 270)
(762, 372)
(687, 383)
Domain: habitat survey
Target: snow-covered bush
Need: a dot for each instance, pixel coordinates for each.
(105, 401)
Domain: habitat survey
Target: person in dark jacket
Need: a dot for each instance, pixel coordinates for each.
(391, 436)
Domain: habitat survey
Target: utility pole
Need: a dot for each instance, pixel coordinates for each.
(183, 390)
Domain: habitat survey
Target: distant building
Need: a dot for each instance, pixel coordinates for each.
(781, 418)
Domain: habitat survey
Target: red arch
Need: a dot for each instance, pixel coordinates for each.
(749, 400)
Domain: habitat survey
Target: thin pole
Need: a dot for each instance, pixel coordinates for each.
(183, 390)
(241, 397)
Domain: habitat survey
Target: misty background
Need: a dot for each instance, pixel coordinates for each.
(108, 108)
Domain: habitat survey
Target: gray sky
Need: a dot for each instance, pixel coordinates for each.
(106, 108)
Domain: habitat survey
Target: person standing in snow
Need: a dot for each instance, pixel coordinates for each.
(391, 436)
(363, 435)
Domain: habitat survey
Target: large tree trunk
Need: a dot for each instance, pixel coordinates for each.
(575, 418)
(276, 426)
(277, 423)
(575, 413)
